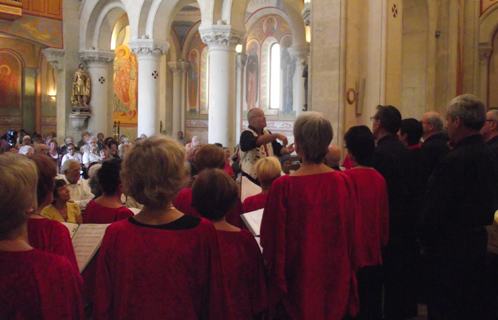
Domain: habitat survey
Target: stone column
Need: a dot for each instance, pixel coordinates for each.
(183, 93)
(98, 63)
(178, 70)
(149, 54)
(485, 51)
(300, 54)
(221, 40)
(56, 58)
(241, 62)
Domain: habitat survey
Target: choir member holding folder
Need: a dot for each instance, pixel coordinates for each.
(33, 284)
(45, 234)
(159, 264)
(213, 194)
(307, 232)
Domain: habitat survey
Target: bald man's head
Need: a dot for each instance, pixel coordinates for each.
(333, 157)
(40, 148)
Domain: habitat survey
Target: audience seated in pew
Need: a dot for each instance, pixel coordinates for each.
(268, 170)
(62, 209)
(160, 263)
(33, 284)
(214, 193)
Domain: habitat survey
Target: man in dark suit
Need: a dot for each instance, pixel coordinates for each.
(435, 141)
(461, 199)
(393, 160)
(490, 130)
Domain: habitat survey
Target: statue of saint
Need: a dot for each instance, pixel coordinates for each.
(80, 95)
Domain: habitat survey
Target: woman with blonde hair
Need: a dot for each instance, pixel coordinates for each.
(268, 170)
(160, 263)
(33, 284)
(307, 232)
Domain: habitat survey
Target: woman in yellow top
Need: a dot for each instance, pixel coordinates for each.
(61, 209)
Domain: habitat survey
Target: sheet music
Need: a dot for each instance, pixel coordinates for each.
(253, 220)
(86, 242)
(72, 227)
(248, 188)
(135, 210)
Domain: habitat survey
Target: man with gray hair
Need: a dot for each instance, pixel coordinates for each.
(435, 143)
(461, 199)
(79, 191)
(333, 157)
(490, 130)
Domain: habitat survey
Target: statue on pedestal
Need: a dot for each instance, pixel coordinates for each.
(80, 94)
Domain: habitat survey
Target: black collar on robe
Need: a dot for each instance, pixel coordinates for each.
(436, 136)
(392, 137)
(469, 140)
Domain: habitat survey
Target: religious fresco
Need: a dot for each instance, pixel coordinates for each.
(10, 81)
(29, 53)
(268, 30)
(44, 31)
(125, 95)
(486, 4)
(197, 78)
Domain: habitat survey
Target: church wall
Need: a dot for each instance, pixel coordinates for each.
(394, 52)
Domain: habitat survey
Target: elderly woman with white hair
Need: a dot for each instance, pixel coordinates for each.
(160, 263)
(307, 231)
(33, 284)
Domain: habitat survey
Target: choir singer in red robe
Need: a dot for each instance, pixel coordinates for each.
(160, 263)
(214, 193)
(33, 284)
(307, 232)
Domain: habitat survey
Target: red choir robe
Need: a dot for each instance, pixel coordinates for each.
(149, 273)
(254, 202)
(228, 169)
(372, 218)
(183, 202)
(51, 236)
(95, 213)
(307, 235)
(39, 285)
(244, 273)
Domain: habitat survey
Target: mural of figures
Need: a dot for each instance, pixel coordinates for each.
(125, 85)
(252, 77)
(288, 68)
(10, 81)
(204, 89)
(193, 78)
(269, 26)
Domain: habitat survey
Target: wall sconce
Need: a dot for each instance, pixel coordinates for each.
(238, 48)
(52, 95)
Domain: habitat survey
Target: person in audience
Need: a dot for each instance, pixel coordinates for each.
(67, 141)
(333, 157)
(108, 207)
(83, 140)
(371, 220)
(307, 232)
(190, 160)
(228, 165)
(183, 277)
(123, 146)
(180, 138)
(37, 139)
(435, 140)
(91, 154)
(53, 152)
(490, 130)
(214, 193)
(268, 170)
(33, 284)
(100, 140)
(41, 148)
(61, 209)
(93, 181)
(194, 143)
(394, 161)
(285, 164)
(78, 188)
(26, 148)
(208, 157)
(45, 234)
(71, 154)
(112, 146)
(461, 199)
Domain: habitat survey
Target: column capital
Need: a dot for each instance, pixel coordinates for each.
(148, 47)
(485, 51)
(221, 35)
(306, 14)
(178, 66)
(54, 57)
(95, 58)
(241, 60)
(300, 54)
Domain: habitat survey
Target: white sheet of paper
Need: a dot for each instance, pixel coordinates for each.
(135, 210)
(248, 188)
(72, 227)
(253, 220)
(86, 242)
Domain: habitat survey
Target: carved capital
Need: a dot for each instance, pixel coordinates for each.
(148, 48)
(178, 66)
(54, 57)
(485, 51)
(306, 14)
(221, 35)
(97, 58)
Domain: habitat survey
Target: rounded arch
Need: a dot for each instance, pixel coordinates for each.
(160, 17)
(234, 12)
(104, 31)
(188, 39)
(488, 25)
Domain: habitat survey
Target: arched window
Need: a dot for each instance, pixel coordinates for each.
(274, 77)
